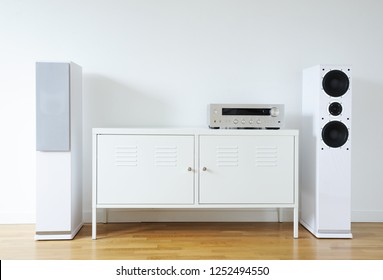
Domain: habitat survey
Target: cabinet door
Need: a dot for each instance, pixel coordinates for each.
(246, 169)
(145, 169)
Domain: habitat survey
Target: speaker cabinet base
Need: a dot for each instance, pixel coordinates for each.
(58, 195)
(327, 233)
(49, 235)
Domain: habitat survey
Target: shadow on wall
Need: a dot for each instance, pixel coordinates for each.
(366, 120)
(367, 138)
(109, 103)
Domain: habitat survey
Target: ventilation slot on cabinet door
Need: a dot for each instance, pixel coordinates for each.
(266, 156)
(165, 156)
(126, 156)
(227, 156)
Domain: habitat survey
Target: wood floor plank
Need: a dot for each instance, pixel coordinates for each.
(194, 241)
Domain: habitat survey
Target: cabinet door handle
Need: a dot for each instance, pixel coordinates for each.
(190, 169)
(204, 168)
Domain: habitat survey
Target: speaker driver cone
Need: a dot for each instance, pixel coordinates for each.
(335, 83)
(335, 108)
(335, 134)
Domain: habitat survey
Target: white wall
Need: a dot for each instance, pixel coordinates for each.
(159, 63)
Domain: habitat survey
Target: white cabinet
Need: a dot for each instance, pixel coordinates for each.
(246, 169)
(194, 168)
(145, 169)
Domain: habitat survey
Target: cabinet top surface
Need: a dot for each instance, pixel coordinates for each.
(194, 131)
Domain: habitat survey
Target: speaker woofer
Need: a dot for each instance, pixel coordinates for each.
(335, 134)
(335, 83)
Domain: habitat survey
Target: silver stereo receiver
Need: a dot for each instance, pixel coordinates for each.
(269, 116)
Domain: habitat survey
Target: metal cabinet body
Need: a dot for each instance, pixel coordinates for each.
(194, 168)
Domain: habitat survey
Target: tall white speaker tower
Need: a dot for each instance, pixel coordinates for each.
(58, 150)
(326, 151)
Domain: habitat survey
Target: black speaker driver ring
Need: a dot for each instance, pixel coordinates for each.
(335, 134)
(335, 83)
(335, 109)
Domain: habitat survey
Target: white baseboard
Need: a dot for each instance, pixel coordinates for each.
(367, 216)
(192, 215)
(188, 215)
(17, 218)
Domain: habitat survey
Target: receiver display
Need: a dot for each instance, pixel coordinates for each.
(245, 112)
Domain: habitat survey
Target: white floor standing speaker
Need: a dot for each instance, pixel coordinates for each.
(58, 150)
(326, 151)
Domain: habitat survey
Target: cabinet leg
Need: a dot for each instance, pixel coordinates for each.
(106, 214)
(280, 212)
(94, 224)
(296, 223)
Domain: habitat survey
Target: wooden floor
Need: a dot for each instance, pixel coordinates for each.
(191, 241)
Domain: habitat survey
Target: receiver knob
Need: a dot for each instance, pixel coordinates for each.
(274, 112)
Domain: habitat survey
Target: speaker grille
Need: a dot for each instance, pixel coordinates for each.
(335, 83)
